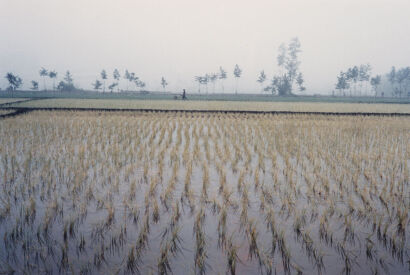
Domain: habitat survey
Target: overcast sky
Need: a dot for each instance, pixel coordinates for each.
(179, 39)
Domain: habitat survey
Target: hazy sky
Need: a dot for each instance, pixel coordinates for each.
(179, 39)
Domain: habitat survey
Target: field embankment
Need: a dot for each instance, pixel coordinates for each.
(240, 106)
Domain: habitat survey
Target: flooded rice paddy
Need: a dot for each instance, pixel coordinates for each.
(183, 193)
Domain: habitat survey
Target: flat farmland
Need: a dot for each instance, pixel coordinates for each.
(11, 100)
(217, 105)
(195, 193)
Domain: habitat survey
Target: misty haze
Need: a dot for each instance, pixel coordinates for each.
(204, 137)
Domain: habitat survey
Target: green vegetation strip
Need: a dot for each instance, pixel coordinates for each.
(222, 106)
(204, 97)
(4, 101)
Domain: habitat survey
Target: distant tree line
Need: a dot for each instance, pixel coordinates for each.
(284, 82)
(214, 77)
(66, 85)
(356, 80)
(400, 81)
(129, 77)
(353, 78)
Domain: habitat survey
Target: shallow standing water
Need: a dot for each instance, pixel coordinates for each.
(93, 192)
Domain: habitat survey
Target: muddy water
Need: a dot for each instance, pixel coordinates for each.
(62, 177)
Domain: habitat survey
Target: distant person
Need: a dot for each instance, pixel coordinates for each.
(184, 95)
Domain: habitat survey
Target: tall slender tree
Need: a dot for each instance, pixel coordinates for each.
(342, 83)
(300, 80)
(135, 79)
(44, 73)
(127, 76)
(141, 85)
(222, 76)
(53, 75)
(198, 79)
(116, 75)
(205, 81)
(164, 83)
(104, 78)
(261, 79)
(237, 72)
(364, 75)
(14, 81)
(352, 76)
(69, 78)
(375, 82)
(213, 77)
(112, 86)
(289, 73)
(97, 85)
(34, 85)
(403, 81)
(67, 84)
